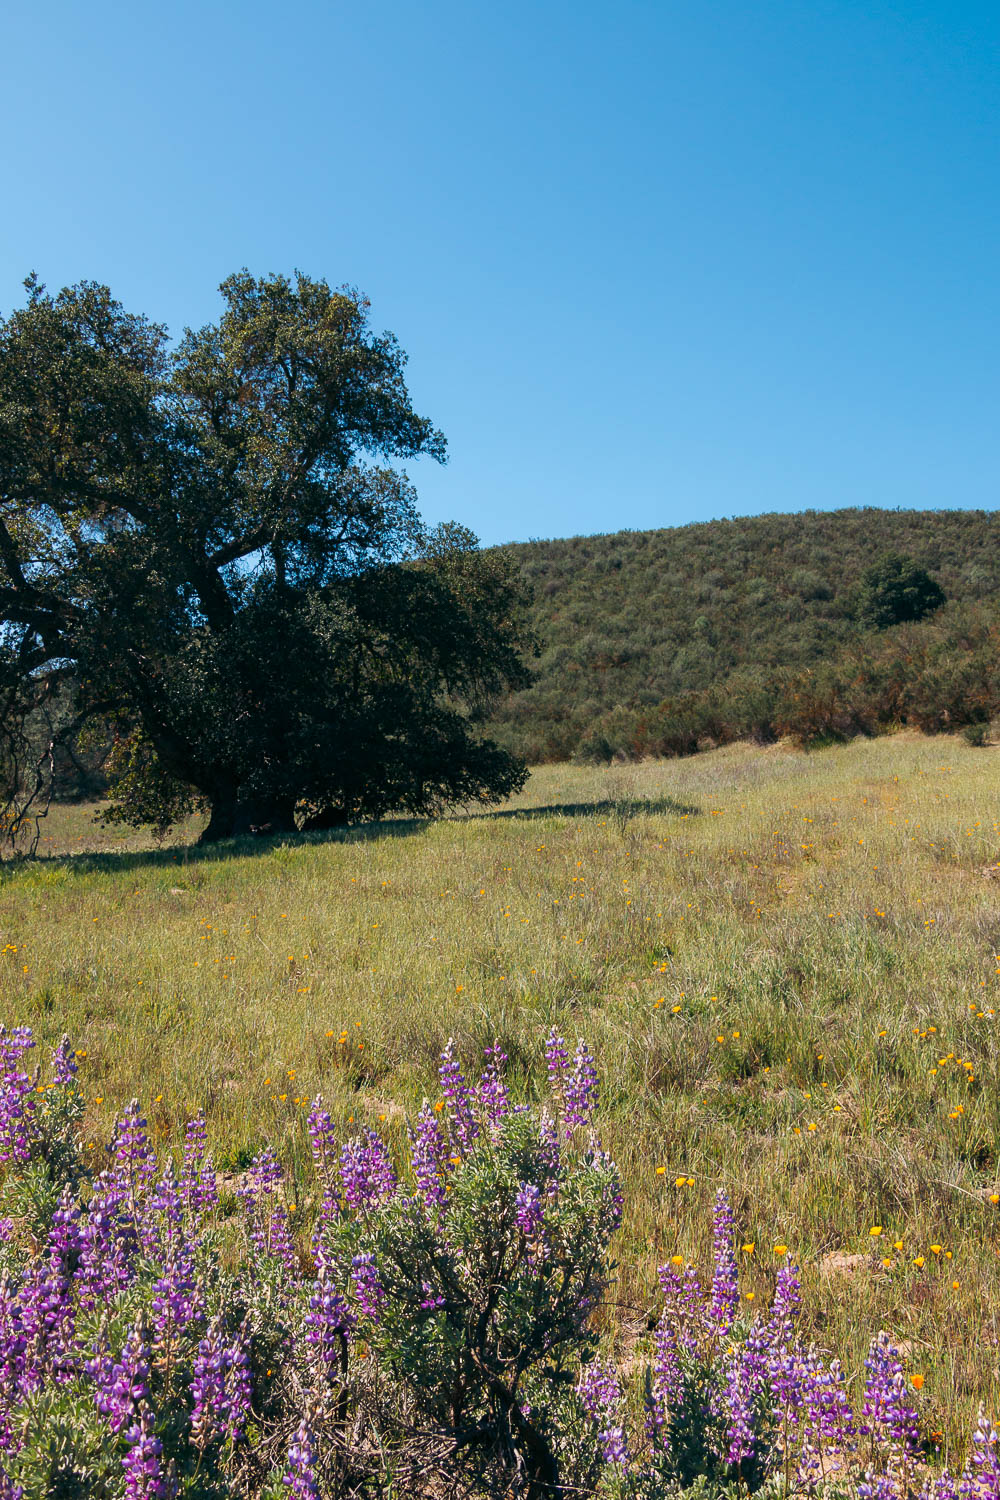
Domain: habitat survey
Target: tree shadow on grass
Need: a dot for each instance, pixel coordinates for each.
(626, 808)
(176, 859)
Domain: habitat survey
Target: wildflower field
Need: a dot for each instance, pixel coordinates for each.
(785, 966)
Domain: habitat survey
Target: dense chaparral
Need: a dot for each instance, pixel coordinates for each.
(163, 1334)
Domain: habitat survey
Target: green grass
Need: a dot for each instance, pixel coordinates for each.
(827, 916)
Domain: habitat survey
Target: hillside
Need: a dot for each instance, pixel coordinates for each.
(693, 621)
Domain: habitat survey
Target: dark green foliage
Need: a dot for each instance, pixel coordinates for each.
(662, 642)
(200, 551)
(977, 735)
(896, 590)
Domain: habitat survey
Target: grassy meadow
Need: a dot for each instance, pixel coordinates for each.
(785, 964)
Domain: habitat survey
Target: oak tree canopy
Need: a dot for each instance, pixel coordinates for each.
(209, 549)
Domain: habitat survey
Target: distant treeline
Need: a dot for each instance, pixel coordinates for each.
(662, 642)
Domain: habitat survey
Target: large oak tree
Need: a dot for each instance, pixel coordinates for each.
(207, 548)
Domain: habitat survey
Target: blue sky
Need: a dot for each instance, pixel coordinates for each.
(652, 262)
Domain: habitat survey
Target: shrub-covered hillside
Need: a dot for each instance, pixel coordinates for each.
(654, 640)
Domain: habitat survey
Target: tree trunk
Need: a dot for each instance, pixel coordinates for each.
(222, 819)
(233, 817)
(264, 816)
(328, 817)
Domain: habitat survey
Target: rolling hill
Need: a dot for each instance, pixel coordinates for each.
(715, 630)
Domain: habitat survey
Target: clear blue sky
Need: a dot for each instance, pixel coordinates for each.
(652, 262)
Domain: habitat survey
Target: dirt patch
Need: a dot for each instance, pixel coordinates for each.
(842, 1263)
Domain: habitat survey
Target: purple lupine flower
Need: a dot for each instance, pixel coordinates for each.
(161, 1223)
(597, 1388)
(142, 1463)
(459, 1097)
(300, 1476)
(12, 1352)
(220, 1387)
(725, 1283)
(548, 1144)
(239, 1386)
(601, 1395)
(492, 1092)
(278, 1238)
(942, 1487)
(46, 1313)
(876, 1487)
(8, 1489)
(827, 1416)
(176, 1300)
(108, 1242)
(208, 1385)
(557, 1063)
(131, 1148)
(12, 1339)
(266, 1176)
(427, 1155)
(121, 1385)
(267, 1218)
(327, 1323)
(199, 1192)
(887, 1414)
(17, 1101)
(613, 1204)
(747, 1380)
(580, 1089)
(683, 1307)
(65, 1236)
(367, 1285)
(64, 1063)
(788, 1385)
(666, 1376)
(62, 1251)
(366, 1171)
(738, 1401)
(323, 1145)
(322, 1142)
(612, 1198)
(983, 1469)
(432, 1299)
(13, 1045)
(135, 1161)
(528, 1206)
(785, 1307)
